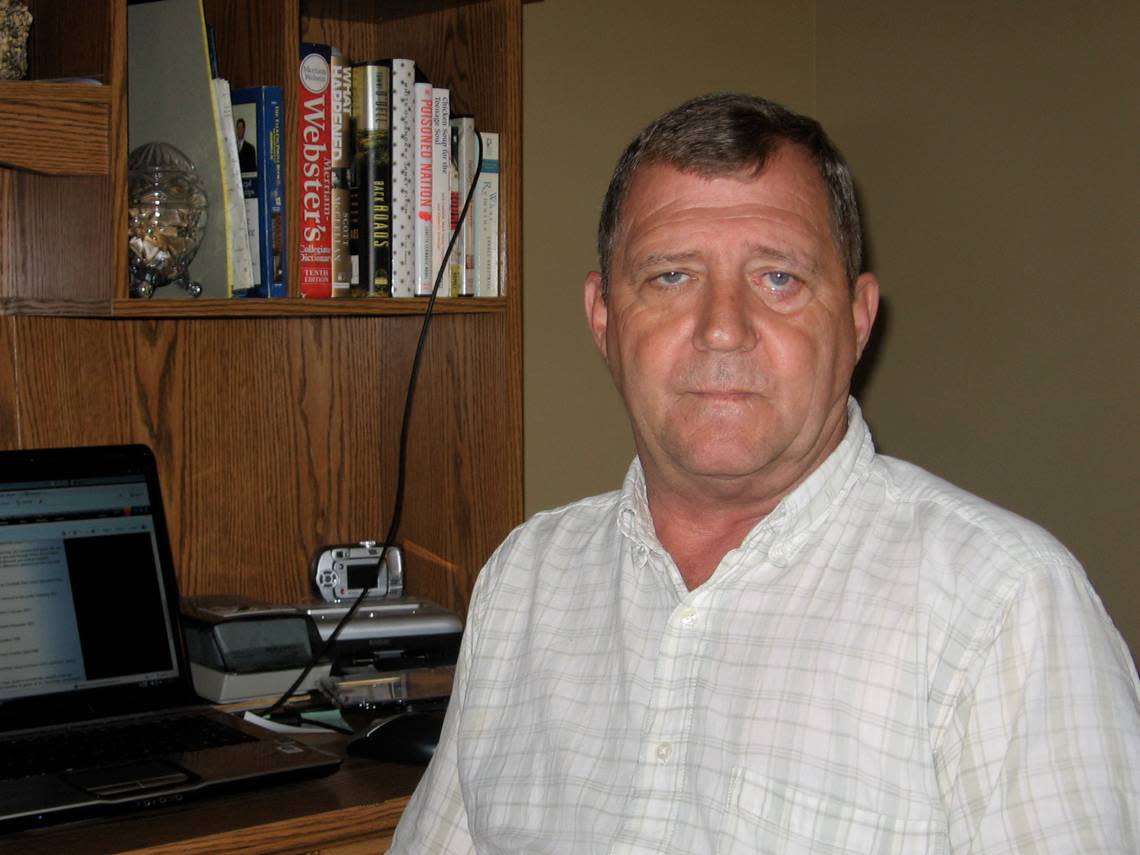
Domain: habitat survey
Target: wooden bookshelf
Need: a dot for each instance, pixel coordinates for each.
(275, 422)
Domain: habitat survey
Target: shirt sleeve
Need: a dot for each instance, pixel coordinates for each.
(1042, 753)
(435, 819)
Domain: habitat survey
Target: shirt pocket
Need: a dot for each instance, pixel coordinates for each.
(768, 817)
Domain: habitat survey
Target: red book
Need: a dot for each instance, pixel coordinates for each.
(315, 271)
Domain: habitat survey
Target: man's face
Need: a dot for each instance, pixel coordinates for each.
(730, 328)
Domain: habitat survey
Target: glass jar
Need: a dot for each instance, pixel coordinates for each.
(167, 210)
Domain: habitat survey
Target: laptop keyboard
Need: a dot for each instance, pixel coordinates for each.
(84, 747)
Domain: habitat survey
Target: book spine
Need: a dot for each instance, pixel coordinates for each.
(340, 164)
(466, 157)
(239, 267)
(403, 178)
(246, 125)
(423, 189)
(371, 120)
(455, 257)
(486, 204)
(261, 109)
(272, 163)
(314, 274)
(441, 185)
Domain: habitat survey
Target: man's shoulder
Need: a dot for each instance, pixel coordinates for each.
(578, 525)
(554, 556)
(556, 534)
(977, 563)
(958, 519)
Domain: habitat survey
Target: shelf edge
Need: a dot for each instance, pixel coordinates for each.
(290, 307)
(55, 129)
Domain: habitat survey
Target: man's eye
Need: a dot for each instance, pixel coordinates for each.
(672, 277)
(779, 280)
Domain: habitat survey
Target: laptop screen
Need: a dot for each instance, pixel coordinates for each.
(82, 604)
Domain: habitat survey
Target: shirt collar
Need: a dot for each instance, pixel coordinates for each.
(633, 510)
(798, 513)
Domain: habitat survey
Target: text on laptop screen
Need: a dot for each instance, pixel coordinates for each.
(82, 603)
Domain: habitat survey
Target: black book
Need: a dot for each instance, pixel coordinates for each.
(372, 177)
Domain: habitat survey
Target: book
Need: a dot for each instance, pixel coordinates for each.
(237, 229)
(465, 156)
(259, 115)
(403, 122)
(486, 211)
(315, 270)
(424, 245)
(339, 178)
(225, 687)
(454, 261)
(441, 186)
(372, 175)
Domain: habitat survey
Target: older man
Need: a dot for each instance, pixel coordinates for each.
(772, 639)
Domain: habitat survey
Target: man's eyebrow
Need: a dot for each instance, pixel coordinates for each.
(790, 257)
(803, 261)
(662, 259)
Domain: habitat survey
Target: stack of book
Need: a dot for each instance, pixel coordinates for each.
(385, 167)
(259, 115)
(250, 126)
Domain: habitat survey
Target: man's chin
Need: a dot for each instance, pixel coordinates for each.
(726, 461)
(727, 407)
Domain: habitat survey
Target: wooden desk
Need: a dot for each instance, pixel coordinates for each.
(351, 812)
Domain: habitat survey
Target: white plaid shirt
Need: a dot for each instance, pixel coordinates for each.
(885, 665)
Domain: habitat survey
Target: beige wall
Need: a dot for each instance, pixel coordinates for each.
(996, 156)
(595, 72)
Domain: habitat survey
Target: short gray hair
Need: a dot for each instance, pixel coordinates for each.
(724, 134)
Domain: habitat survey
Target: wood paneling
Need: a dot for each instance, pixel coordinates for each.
(58, 255)
(277, 436)
(66, 252)
(9, 418)
(59, 129)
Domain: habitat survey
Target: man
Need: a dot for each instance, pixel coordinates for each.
(247, 151)
(772, 639)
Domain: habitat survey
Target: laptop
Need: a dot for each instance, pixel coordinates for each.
(90, 638)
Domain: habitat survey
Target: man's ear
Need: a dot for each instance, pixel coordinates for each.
(596, 310)
(864, 308)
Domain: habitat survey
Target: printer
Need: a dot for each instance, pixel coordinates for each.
(388, 630)
(387, 634)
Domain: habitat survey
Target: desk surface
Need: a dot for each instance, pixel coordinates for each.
(353, 810)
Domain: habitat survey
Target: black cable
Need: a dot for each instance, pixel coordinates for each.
(402, 459)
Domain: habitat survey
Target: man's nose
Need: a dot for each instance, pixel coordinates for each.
(725, 321)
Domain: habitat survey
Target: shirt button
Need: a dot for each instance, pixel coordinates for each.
(664, 751)
(779, 552)
(688, 616)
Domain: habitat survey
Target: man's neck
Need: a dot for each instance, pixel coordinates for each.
(699, 521)
(697, 542)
